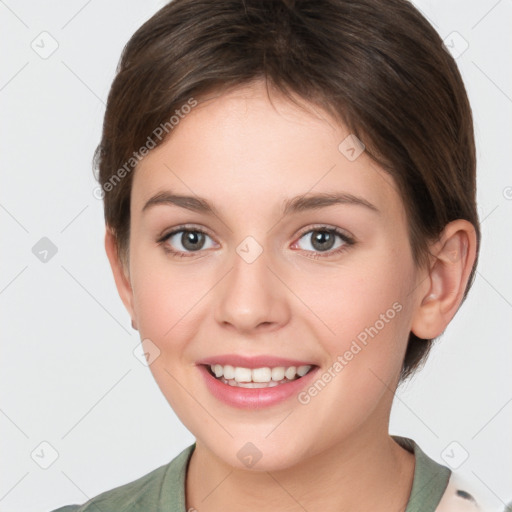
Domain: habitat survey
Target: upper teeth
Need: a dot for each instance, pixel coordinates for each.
(266, 374)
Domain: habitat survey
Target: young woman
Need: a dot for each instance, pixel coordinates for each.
(289, 193)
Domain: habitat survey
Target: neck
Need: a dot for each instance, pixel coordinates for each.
(369, 471)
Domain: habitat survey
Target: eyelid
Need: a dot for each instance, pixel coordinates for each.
(326, 227)
(183, 227)
(348, 239)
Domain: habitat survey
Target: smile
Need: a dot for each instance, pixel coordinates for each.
(264, 377)
(257, 382)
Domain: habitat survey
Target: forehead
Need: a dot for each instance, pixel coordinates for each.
(244, 147)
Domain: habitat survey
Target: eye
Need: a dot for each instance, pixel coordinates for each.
(324, 239)
(185, 241)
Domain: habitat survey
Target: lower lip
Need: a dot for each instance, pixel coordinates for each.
(254, 398)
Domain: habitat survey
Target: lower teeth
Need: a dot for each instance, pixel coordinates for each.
(271, 384)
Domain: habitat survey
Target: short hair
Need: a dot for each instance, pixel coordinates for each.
(376, 65)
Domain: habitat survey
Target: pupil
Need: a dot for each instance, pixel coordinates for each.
(323, 240)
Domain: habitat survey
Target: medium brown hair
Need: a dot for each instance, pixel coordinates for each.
(377, 65)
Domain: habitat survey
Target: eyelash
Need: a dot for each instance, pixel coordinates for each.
(348, 241)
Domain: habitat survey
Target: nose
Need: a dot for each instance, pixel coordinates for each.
(252, 298)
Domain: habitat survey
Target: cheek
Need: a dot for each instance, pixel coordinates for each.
(163, 307)
(368, 315)
(166, 296)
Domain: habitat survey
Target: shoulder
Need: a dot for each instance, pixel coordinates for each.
(438, 489)
(155, 491)
(130, 496)
(459, 497)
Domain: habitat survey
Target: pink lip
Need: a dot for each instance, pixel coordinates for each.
(252, 362)
(254, 398)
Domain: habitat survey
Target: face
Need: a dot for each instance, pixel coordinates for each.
(252, 272)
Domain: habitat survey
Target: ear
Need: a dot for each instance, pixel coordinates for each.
(121, 274)
(453, 257)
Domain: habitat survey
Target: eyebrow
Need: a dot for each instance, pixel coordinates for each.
(321, 200)
(293, 205)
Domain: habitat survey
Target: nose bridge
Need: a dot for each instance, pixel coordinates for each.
(251, 294)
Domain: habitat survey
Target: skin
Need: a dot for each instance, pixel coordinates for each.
(246, 155)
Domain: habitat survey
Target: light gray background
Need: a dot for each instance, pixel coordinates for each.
(69, 376)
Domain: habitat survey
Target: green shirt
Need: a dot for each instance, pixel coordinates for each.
(164, 488)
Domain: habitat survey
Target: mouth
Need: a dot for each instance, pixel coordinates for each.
(259, 384)
(264, 377)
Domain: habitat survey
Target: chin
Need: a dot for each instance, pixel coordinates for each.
(258, 454)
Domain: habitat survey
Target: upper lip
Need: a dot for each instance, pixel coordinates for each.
(260, 361)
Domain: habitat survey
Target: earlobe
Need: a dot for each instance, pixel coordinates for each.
(120, 273)
(453, 257)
